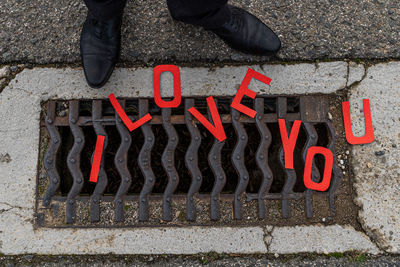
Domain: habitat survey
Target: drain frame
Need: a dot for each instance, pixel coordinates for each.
(309, 113)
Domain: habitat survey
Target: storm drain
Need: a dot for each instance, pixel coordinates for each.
(173, 171)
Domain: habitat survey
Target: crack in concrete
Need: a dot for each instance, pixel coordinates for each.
(373, 234)
(5, 210)
(4, 82)
(267, 237)
(348, 73)
(11, 207)
(366, 68)
(5, 158)
(355, 83)
(23, 90)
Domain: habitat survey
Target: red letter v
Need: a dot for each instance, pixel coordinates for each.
(217, 130)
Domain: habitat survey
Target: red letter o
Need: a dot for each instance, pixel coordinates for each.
(326, 180)
(177, 86)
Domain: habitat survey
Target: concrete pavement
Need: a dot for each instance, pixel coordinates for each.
(376, 175)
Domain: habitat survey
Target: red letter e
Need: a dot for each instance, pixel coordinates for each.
(244, 90)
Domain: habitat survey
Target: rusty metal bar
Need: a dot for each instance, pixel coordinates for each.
(314, 108)
(312, 139)
(290, 173)
(214, 161)
(203, 197)
(262, 156)
(51, 154)
(121, 162)
(73, 161)
(102, 179)
(144, 161)
(336, 172)
(191, 161)
(175, 119)
(168, 163)
(238, 163)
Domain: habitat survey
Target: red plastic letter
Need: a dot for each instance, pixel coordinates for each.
(244, 90)
(369, 130)
(98, 151)
(177, 86)
(326, 180)
(289, 142)
(217, 130)
(121, 113)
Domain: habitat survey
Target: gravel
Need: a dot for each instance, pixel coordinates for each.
(202, 260)
(4, 72)
(44, 31)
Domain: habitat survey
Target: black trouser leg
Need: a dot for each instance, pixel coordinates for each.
(207, 13)
(105, 9)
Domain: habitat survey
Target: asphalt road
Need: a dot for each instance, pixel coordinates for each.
(43, 31)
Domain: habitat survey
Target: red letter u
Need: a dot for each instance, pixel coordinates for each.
(369, 131)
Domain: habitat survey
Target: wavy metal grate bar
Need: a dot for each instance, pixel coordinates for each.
(73, 160)
(51, 154)
(102, 179)
(144, 161)
(121, 162)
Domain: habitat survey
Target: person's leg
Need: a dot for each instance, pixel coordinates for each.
(101, 40)
(105, 9)
(237, 27)
(205, 13)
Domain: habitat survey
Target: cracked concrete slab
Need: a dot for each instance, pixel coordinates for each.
(356, 73)
(376, 166)
(8, 71)
(138, 82)
(20, 107)
(319, 239)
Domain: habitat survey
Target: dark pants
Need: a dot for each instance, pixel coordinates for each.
(206, 13)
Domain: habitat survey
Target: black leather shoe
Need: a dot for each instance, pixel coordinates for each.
(246, 33)
(100, 46)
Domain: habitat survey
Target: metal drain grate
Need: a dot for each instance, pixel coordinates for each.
(172, 157)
